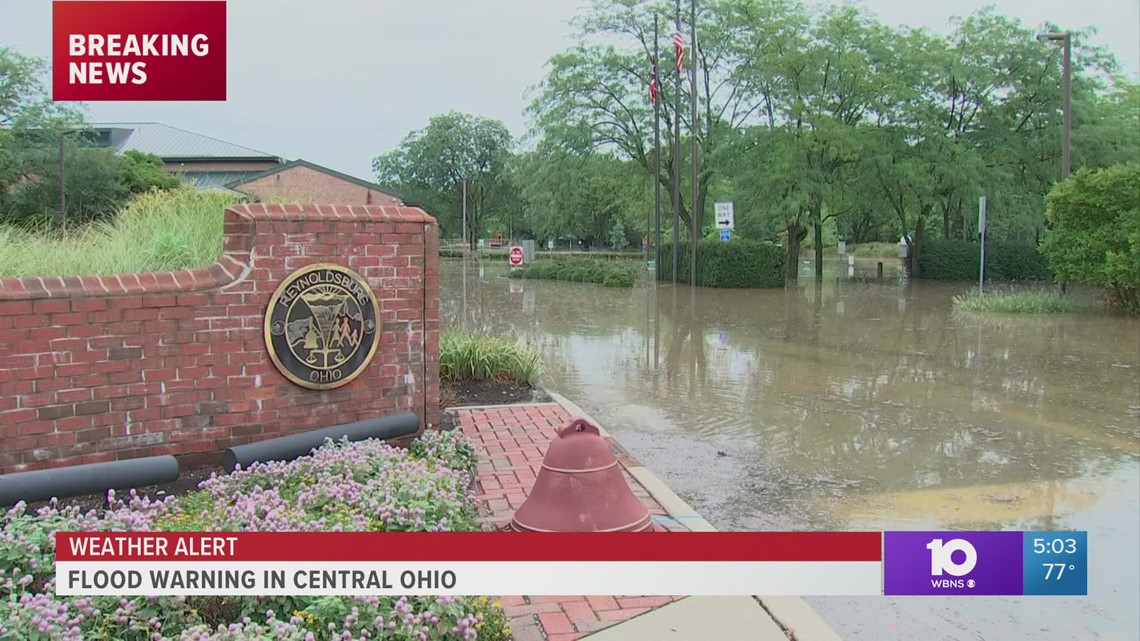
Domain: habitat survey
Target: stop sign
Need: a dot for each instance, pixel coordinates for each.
(516, 256)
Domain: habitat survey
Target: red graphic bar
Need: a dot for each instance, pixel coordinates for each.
(468, 546)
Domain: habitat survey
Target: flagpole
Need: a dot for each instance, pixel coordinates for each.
(694, 213)
(657, 152)
(677, 155)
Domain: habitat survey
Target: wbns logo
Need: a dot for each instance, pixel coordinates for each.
(942, 562)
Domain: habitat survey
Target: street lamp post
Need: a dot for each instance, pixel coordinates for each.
(1066, 40)
(61, 215)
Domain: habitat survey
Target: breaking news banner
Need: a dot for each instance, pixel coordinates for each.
(985, 563)
(468, 563)
(138, 50)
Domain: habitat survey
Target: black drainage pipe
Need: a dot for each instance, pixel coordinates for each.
(85, 480)
(287, 448)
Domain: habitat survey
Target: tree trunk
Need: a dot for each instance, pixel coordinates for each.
(817, 238)
(796, 233)
(473, 226)
(915, 248)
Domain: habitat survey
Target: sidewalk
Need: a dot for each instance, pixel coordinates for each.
(513, 441)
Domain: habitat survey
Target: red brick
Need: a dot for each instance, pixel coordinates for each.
(579, 612)
(536, 608)
(555, 623)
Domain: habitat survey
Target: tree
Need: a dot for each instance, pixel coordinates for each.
(437, 160)
(1094, 231)
(29, 119)
(143, 172)
(600, 91)
(98, 182)
(96, 189)
(584, 195)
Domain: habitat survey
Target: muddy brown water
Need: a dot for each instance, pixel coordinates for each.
(859, 404)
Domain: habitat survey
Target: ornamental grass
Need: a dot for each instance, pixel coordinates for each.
(476, 357)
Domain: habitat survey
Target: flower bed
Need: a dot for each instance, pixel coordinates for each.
(365, 486)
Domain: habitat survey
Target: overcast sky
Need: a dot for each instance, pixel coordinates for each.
(337, 82)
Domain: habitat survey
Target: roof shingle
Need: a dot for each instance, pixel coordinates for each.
(171, 143)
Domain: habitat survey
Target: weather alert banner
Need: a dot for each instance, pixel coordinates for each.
(469, 563)
(985, 563)
(139, 50)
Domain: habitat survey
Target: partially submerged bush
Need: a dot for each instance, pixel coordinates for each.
(1014, 302)
(959, 260)
(608, 272)
(740, 263)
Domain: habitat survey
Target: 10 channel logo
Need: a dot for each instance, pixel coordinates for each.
(985, 563)
(942, 562)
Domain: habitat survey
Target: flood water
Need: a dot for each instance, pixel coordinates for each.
(859, 404)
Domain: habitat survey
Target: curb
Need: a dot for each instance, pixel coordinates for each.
(792, 614)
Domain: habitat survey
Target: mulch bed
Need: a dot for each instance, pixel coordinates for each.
(455, 394)
(466, 393)
(187, 481)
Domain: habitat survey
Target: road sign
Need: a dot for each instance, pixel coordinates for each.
(725, 217)
(726, 235)
(516, 256)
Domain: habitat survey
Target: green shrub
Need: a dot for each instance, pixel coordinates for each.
(957, 260)
(478, 357)
(452, 253)
(736, 264)
(365, 486)
(579, 269)
(1011, 302)
(157, 231)
(449, 448)
(1094, 231)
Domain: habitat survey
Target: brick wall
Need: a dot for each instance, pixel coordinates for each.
(220, 165)
(300, 183)
(114, 367)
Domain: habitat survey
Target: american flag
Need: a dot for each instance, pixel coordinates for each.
(679, 43)
(653, 84)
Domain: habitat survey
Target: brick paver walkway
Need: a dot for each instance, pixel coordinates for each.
(513, 439)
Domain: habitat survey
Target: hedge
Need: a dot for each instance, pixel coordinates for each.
(736, 264)
(958, 260)
(611, 273)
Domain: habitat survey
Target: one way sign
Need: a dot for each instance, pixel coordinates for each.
(724, 216)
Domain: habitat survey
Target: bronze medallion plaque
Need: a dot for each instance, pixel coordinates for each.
(322, 326)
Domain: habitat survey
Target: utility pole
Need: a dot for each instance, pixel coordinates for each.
(1067, 109)
(465, 243)
(657, 153)
(61, 215)
(694, 212)
(678, 44)
(1066, 40)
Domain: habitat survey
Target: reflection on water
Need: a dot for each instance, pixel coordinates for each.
(852, 403)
